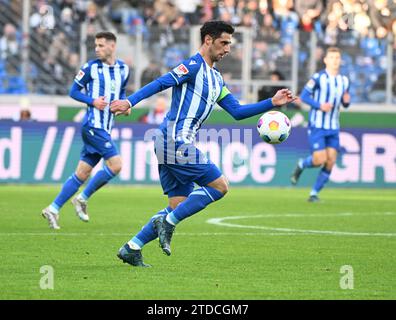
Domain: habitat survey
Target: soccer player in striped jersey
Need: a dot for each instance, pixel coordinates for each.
(324, 92)
(103, 80)
(197, 87)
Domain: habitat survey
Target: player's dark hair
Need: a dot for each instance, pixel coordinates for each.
(106, 35)
(215, 28)
(333, 49)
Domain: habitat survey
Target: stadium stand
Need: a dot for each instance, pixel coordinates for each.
(362, 29)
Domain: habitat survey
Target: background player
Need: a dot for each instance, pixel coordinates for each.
(324, 92)
(197, 87)
(103, 80)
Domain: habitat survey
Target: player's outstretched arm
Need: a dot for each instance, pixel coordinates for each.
(121, 106)
(75, 93)
(306, 97)
(229, 103)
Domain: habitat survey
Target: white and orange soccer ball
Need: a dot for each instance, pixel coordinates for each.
(274, 127)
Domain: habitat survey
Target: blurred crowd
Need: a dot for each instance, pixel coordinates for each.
(54, 43)
(361, 28)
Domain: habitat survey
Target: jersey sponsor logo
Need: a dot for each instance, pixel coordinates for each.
(181, 70)
(80, 75)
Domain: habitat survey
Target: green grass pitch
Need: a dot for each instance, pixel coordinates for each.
(278, 246)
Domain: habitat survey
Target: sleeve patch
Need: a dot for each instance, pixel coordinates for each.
(180, 70)
(80, 75)
(310, 84)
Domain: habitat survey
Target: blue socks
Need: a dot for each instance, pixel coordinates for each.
(69, 188)
(306, 163)
(147, 233)
(101, 178)
(196, 201)
(321, 180)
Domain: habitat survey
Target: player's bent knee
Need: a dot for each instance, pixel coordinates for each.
(319, 161)
(83, 175)
(116, 169)
(222, 187)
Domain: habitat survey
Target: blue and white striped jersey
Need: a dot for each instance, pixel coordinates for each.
(323, 87)
(100, 79)
(198, 87)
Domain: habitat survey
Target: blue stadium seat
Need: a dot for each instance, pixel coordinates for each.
(16, 85)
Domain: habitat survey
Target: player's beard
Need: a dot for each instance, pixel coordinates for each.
(217, 57)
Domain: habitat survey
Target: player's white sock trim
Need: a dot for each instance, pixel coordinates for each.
(134, 246)
(169, 219)
(53, 209)
(81, 197)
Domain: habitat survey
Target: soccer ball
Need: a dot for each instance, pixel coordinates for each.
(274, 127)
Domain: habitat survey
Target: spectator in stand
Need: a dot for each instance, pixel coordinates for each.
(189, 10)
(43, 18)
(268, 30)
(156, 116)
(309, 13)
(25, 115)
(9, 44)
(268, 91)
(228, 9)
(68, 24)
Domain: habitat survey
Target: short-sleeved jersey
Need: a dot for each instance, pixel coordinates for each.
(196, 89)
(326, 88)
(100, 79)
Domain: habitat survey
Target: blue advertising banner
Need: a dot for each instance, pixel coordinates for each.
(37, 152)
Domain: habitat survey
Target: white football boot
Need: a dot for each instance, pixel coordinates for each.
(81, 209)
(52, 218)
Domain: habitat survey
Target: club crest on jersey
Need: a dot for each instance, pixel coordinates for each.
(80, 75)
(180, 70)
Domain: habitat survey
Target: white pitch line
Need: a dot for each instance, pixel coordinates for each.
(219, 222)
(196, 234)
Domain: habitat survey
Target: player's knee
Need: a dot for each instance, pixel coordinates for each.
(83, 174)
(319, 160)
(223, 187)
(116, 169)
(174, 202)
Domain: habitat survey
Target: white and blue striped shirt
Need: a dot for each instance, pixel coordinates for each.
(323, 88)
(196, 89)
(194, 98)
(100, 79)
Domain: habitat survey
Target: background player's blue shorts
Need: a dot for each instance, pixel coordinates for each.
(97, 144)
(182, 165)
(320, 139)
